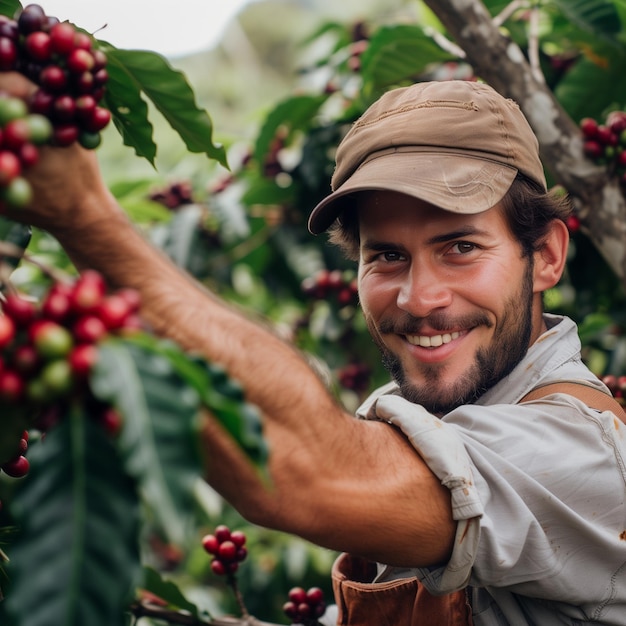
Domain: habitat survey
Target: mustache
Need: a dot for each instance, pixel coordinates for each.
(439, 321)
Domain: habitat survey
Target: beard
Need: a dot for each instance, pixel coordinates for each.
(490, 364)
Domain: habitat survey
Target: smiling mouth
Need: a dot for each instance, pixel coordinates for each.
(432, 341)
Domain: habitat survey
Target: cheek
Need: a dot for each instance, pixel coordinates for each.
(496, 279)
(375, 295)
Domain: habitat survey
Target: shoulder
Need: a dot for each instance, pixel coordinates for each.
(558, 436)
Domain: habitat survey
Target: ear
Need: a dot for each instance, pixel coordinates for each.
(551, 257)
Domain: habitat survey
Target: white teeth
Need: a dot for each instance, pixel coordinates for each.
(432, 342)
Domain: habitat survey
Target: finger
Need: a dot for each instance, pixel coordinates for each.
(16, 84)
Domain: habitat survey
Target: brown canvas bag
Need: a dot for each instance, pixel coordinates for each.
(404, 602)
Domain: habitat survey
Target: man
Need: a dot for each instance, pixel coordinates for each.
(453, 477)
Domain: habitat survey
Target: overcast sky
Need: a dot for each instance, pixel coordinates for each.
(170, 28)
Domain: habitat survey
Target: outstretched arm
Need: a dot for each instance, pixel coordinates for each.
(346, 484)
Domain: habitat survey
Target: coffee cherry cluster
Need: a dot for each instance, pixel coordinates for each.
(18, 465)
(305, 607)
(605, 143)
(48, 348)
(227, 548)
(21, 134)
(272, 166)
(69, 72)
(342, 286)
(616, 385)
(174, 195)
(359, 44)
(355, 376)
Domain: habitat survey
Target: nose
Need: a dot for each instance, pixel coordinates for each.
(422, 291)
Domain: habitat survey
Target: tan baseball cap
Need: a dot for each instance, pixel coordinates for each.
(455, 144)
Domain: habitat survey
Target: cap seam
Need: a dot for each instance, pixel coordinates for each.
(435, 150)
(506, 135)
(467, 105)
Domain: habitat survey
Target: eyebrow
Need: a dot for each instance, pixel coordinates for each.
(466, 231)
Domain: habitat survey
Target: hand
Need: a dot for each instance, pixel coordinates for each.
(69, 193)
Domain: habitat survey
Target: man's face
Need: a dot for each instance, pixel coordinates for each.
(448, 298)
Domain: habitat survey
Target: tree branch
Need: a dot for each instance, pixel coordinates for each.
(146, 608)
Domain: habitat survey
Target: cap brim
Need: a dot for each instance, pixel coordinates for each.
(460, 184)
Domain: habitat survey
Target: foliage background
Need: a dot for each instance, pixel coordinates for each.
(280, 94)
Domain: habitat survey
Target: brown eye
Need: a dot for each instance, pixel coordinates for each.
(463, 247)
(392, 257)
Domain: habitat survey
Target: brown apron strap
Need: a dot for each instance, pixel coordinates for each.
(591, 396)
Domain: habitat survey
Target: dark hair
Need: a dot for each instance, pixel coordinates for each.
(528, 208)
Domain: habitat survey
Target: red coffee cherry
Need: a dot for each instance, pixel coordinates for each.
(8, 54)
(227, 551)
(222, 533)
(210, 544)
(11, 386)
(111, 421)
(38, 46)
(19, 309)
(17, 468)
(89, 329)
(82, 359)
(62, 38)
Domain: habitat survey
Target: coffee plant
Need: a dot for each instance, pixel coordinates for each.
(605, 143)
(105, 518)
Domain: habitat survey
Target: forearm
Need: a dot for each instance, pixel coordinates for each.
(178, 307)
(369, 495)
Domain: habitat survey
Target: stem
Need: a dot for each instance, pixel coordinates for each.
(444, 43)
(11, 250)
(506, 13)
(232, 581)
(533, 45)
(147, 609)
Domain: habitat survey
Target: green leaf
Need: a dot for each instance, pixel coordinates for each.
(159, 440)
(294, 113)
(398, 53)
(168, 591)
(16, 234)
(129, 110)
(593, 325)
(597, 16)
(136, 72)
(9, 7)
(587, 89)
(134, 198)
(219, 393)
(266, 191)
(75, 560)
(145, 211)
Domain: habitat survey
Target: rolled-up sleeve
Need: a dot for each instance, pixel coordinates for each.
(444, 452)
